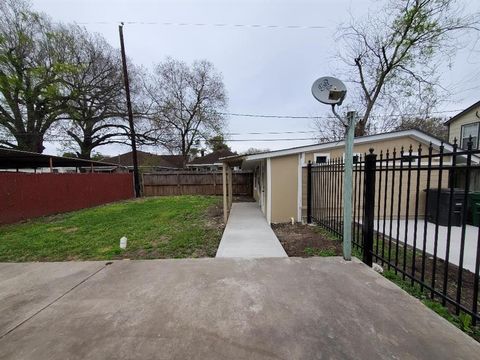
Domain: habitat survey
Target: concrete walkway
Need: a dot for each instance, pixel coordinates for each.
(248, 235)
(284, 308)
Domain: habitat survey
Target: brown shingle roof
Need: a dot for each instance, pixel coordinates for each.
(146, 159)
(212, 158)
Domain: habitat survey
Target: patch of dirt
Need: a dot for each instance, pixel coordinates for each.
(296, 238)
(56, 228)
(214, 217)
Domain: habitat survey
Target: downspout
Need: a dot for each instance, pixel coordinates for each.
(269, 190)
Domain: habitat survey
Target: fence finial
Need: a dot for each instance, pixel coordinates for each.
(371, 150)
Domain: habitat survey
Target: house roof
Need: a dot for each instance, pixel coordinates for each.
(414, 133)
(16, 159)
(146, 159)
(211, 159)
(461, 113)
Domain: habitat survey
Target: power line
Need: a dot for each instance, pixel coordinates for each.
(327, 116)
(223, 25)
(57, 139)
(270, 133)
(63, 140)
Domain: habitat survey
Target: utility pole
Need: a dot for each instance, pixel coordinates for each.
(136, 177)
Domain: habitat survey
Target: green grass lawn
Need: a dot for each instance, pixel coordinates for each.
(162, 227)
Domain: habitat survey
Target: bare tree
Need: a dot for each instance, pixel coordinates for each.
(253, 150)
(328, 129)
(95, 109)
(187, 104)
(396, 52)
(32, 66)
(434, 126)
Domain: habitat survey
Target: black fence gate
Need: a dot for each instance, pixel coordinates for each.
(410, 216)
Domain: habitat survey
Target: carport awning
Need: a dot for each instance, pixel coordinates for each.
(15, 159)
(232, 161)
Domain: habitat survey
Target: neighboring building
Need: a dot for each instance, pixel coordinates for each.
(465, 124)
(210, 162)
(280, 176)
(148, 162)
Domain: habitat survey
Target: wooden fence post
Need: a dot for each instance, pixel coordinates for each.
(214, 174)
(230, 187)
(225, 195)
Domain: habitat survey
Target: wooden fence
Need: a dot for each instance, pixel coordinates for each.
(195, 183)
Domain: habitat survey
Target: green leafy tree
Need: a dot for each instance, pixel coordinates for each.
(217, 143)
(32, 69)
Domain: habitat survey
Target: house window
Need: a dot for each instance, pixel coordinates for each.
(467, 131)
(406, 158)
(321, 158)
(356, 157)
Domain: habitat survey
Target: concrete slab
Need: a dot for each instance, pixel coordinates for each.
(248, 235)
(471, 239)
(25, 288)
(287, 308)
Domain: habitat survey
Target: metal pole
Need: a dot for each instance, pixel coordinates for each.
(348, 186)
(136, 176)
(369, 207)
(309, 192)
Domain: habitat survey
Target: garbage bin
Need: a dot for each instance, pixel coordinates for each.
(440, 206)
(474, 199)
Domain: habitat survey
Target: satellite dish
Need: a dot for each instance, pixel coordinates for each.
(329, 90)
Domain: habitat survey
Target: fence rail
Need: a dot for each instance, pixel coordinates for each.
(195, 183)
(410, 216)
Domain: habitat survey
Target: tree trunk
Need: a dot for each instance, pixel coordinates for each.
(360, 128)
(30, 142)
(85, 153)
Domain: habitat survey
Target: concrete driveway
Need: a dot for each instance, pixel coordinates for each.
(283, 308)
(471, 240)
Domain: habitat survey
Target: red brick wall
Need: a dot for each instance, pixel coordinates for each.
(24, 196)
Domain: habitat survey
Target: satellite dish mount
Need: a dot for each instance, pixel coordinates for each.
(331, 91)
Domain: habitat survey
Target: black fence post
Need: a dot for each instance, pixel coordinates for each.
(309, 192)
(369, 207)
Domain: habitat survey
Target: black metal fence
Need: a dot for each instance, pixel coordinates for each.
(410, 216)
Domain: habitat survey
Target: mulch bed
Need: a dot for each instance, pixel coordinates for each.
(296, 238)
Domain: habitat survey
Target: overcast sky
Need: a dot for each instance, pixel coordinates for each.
(265, 70)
